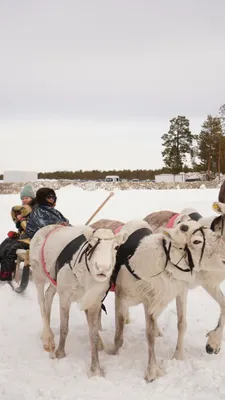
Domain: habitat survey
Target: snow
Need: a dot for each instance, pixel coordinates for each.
(27, 372)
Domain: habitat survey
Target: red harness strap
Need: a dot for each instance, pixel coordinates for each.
(170, 223)
(43, 254)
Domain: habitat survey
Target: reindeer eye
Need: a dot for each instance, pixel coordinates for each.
(117, 247)
(197, 241)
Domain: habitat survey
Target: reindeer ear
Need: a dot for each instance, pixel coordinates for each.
(218, 207)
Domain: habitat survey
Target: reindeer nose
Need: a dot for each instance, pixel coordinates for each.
(184, 228)
(102, 267)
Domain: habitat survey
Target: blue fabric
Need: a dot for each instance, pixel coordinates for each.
(42, 216)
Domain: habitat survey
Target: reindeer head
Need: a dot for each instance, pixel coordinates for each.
(101, 254)
(189, 241)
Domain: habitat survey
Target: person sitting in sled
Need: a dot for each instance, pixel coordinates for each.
(16, 240)
(44, 212)
(19, 241)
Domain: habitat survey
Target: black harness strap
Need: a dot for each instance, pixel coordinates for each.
(66, 255)
(168, 258)
(195, 216)
(127, 250)
(186, 251)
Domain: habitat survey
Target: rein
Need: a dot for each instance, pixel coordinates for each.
(87, 253)
(187, 253)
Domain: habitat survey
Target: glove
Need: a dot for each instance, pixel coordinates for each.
(12, 234)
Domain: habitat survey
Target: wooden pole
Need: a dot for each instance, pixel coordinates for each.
(99, 208)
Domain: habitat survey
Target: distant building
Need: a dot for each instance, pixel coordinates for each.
(170, 178)
(112, 178)
(20, 176)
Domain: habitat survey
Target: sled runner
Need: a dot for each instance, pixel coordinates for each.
(22, 256)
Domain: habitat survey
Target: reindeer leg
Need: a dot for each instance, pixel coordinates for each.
(100, 344)
(65, 304)
(49, 295)
(100, 320)
(47, 336)
(92, 318)
(181, 303)
(121, 311)
(127, 318)
(215, 336)
(153, 370)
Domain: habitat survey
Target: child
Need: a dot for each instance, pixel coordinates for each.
(16, 240)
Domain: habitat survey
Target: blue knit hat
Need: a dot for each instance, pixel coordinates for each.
(27, 191)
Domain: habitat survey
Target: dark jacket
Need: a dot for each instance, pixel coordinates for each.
(42, 216)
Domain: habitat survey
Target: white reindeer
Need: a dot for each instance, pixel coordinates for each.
(166, 265)
(83, 272)
(162, 219)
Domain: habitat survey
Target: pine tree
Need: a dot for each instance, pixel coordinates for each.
(177, 144)
(211, 145)
(222, 118)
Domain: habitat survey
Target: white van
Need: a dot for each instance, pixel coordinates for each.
(112, 178)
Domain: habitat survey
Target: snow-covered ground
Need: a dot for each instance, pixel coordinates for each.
(27, 372)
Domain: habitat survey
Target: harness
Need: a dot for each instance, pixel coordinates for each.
(187, 253)
(124, 253)
(66, 255)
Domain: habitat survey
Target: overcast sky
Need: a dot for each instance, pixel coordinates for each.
(93, 83)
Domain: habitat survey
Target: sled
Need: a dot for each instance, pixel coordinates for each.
(22, 279)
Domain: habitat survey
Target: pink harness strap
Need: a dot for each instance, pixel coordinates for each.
(117, 230)
(43, 254)
(171, 221)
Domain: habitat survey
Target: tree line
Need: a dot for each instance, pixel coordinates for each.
(183, 151)
(203, 151)
(94, 175)
(141, 174)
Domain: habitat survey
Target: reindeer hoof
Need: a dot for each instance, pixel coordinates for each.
(48, 343)
(214, 342)
(178, 356)
(50, 347)
(113, 351)
(153, 373)
(210, 349)
(95, 372)
(60, 354)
